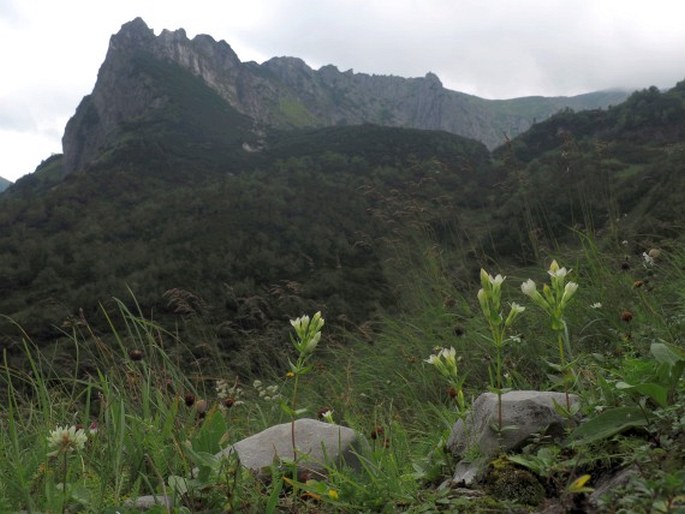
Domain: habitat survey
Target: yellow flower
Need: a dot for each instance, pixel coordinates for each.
(290, 374)
(333, 494)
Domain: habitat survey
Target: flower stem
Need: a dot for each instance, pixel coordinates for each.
(65, 469)
(564, 370)
(292, 422)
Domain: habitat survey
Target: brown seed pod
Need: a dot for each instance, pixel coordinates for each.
(377, 432)
(201, 406)
(627, 316)
(135, 355)
(189, 399)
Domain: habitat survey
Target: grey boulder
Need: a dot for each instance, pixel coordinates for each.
(318, 445)
(524, 413)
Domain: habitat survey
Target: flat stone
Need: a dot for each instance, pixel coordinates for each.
(149, 501)
(466, 473)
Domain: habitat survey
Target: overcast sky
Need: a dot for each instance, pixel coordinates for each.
(52, 50)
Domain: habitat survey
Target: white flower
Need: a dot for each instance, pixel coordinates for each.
(450, 355)
(649, 260)
(328, 416)
(558, 272)
(529, 288)
(569, 290)
(300, 324)
(518, 309)
(497, 281)
(66, 440)
(257, 384)
(433, 359)
(596, 305)
(311, 343)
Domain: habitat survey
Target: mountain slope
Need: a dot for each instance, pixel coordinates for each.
(618, 172)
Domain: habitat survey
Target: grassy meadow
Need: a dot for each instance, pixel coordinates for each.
(106, 416)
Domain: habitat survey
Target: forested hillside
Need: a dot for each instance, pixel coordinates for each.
(308, 223)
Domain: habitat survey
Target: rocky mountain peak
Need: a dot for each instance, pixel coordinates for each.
(290, 94)
(133, 33)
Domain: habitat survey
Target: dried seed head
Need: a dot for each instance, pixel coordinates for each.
(189, 399)
(135, 355)
(377, 432)
(201, 406)
(626, 316)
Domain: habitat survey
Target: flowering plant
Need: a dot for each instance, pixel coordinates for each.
(490, 300)
(554, 300)
(445, 361)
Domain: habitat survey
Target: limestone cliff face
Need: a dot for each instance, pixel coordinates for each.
(283, 93)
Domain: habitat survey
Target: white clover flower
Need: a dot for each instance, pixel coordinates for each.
(66, 440)
(596, 305)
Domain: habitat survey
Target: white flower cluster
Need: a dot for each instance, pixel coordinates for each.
(225, 391)
(267, 393)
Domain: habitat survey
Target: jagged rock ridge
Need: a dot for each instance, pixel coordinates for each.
(284, 93)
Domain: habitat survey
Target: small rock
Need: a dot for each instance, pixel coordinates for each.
(149, 501)
(607, 484)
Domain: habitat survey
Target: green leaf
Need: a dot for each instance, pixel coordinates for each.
(178, 484)
(276, 487)
(211, 433)
(609, 423)
(80, 493)
(667, 354)
(287, 409)
(656, 392)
